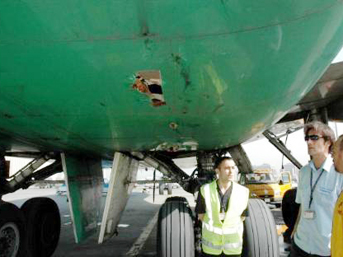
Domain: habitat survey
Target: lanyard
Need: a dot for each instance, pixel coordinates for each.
(314, 186)
(222, 205)
(222, 196)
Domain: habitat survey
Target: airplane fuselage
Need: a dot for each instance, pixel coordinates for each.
(228, 70)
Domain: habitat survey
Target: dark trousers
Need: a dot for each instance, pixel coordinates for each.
(221, 255)
(297, 252)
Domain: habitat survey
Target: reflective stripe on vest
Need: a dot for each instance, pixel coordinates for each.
(208, 202)
(219, 231)
(227, 246)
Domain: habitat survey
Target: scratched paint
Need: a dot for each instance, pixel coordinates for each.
(227, 67)
(184, 69)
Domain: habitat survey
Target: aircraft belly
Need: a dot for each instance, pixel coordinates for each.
(228, 70)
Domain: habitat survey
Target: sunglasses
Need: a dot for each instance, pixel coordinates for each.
(313, 137)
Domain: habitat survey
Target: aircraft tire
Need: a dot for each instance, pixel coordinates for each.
(260, 237)
(175, 232)
(12, 231)
(43, 226)
(177, 199)
(170, 189)
(161, 188)
(290, 208)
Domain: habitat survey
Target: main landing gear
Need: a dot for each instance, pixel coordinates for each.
(43, 226)
(34, 229)
(177, 236)
(175, 232)
(12, 231)
(179, 233)
(31, 231)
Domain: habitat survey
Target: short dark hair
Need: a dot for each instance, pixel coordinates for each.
(219, 160)
(325, 130)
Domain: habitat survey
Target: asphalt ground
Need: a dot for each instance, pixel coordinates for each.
(137, 228)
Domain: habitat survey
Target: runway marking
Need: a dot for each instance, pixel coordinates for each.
(137, 246)
(123, 225)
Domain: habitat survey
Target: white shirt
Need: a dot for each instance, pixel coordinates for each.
(313, 235)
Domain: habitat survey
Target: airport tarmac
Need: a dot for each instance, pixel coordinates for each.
(137, 228)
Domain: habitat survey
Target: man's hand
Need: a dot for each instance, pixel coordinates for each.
(296, 223)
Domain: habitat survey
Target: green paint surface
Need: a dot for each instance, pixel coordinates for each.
(84, 181)
(230, 69)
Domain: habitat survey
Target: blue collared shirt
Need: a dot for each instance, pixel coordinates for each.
(313, 235)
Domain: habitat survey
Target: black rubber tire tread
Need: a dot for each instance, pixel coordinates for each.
(290, 208)
(278, 205)
(161, 188)
(175, 232)
(260, 236)
(9, 213)
(170, 189)
(43, 226)
(177, 198)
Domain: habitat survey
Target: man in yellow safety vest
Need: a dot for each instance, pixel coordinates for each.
(337, 225)
(221, 206)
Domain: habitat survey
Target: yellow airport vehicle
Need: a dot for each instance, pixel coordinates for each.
(265, 185)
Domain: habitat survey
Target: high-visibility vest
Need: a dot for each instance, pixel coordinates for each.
(227, 235)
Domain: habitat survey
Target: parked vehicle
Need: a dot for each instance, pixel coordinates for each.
(265, 185)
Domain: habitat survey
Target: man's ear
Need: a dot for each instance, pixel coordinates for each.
(340, 154)
(216, 170)
(329, 144)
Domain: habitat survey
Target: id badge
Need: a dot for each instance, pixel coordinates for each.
(222, 215)
(309, 214)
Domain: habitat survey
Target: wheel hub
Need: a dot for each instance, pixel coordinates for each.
(9, 240)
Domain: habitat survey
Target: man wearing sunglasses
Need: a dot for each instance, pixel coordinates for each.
(337, 225)
(318, 189)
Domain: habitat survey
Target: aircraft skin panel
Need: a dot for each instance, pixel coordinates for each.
(229, 69)
(124, 170)
(84, 183)
(328, 93)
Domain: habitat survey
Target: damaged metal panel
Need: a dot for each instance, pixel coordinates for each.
(150, 84)
(84, 182)
(124, 170)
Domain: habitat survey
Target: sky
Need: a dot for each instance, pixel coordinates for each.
(339, 57)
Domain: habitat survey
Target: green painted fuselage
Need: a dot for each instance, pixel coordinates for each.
(229, 69)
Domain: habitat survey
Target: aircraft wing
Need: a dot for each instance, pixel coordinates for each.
(324, 99)
(327, 93)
